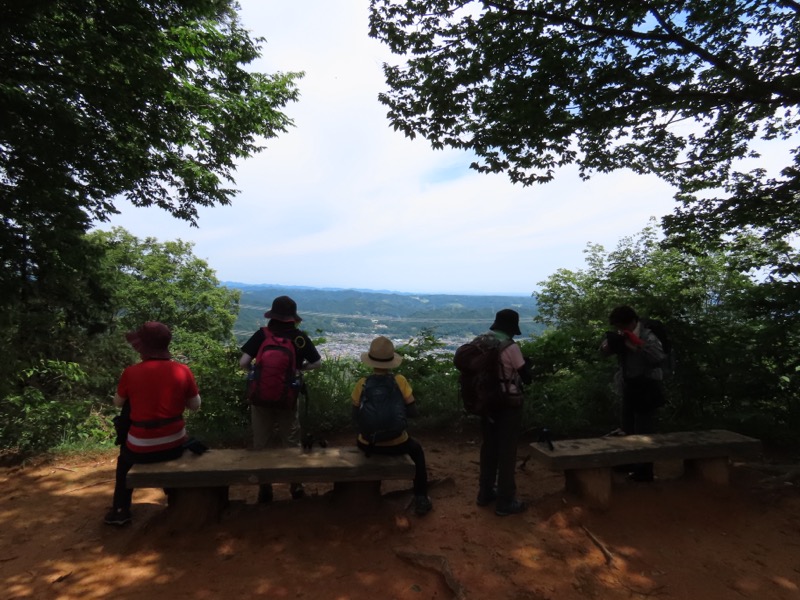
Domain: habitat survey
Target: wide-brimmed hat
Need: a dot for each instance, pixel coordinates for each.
(151, 340)
(381, 354)
(507, 321)
(283, 309)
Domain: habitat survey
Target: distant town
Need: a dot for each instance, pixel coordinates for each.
(349, 319)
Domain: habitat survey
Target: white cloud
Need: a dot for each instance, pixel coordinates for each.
(343, 200)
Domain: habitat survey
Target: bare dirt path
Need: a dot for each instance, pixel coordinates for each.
(670, 539)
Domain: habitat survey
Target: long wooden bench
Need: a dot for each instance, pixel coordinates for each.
(198, 485)
(587, 463)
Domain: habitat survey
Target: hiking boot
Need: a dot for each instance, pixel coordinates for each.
(118, 517)
(510, 508)
(422, 505)
(485, 498)
(265, 494)
(298, 491)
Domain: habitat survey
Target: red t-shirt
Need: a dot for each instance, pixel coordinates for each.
(157, 389)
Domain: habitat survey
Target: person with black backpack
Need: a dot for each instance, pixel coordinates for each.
(381, 403)
(641, 358)
(501, 422)
(275, 356)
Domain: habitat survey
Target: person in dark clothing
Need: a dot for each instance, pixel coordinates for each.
(640, 376)
(279, 426)
(501, 429)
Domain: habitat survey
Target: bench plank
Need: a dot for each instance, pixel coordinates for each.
(219, 468)
(611, 451)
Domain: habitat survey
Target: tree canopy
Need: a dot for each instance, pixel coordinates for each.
(150, 100)
(681, 89)
(734, 337)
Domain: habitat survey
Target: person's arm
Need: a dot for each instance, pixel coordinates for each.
(193, 403)
(526, 372)
(245, 360)
(310, 355)
(408, 396)
(311, 366)
(411, 408)
(119, 400)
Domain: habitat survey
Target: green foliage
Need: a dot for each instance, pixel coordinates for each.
(328, 395)
(223, 418)
(164, 281)
(679, 89)
(153, 101)
(433, 379)
(734, 334)
(49, 405)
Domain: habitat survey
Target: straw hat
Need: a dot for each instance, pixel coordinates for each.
(381, 354)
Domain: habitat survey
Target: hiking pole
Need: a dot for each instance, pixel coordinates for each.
(308, 437)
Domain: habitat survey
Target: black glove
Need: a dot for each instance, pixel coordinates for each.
(122, 424)
(616, 342)
(195, 446)
(526, 371)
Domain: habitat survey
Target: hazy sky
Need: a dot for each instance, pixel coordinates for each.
(342, 200)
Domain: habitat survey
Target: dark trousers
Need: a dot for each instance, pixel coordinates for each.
(414, 450)
(128, 458)
(500, 434)
(639, 416)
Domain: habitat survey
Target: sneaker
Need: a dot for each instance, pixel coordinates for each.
(486, 498)
(118, 517)
(298, 492)
(422, 505)
(510, 508)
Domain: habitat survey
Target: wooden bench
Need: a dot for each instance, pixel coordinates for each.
(198, 485)
(587, 463)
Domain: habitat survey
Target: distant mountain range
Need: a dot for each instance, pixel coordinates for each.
(397, 315)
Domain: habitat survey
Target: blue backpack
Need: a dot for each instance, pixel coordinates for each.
(382, 412)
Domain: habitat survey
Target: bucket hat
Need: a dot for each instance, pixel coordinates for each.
(283, 309)
(507, 321)
(151, 340)
(381, 354)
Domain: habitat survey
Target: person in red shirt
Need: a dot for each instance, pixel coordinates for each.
(153, 394)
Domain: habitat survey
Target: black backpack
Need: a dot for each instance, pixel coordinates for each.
(660, 330)
(480, 383)
(382, 413)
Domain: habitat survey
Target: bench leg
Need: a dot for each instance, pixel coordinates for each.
(592, 484)
(713, 470)
(195, 507)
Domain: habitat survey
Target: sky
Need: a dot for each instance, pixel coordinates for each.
(342, 200)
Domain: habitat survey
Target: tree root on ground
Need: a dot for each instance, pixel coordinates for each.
(437, 563)
(600, 546)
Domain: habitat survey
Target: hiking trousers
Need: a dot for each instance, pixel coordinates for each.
(500, 432)
(414, 450)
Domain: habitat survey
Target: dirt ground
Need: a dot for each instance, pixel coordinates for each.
(673, 538)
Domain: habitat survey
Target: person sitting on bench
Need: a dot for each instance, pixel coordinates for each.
(153, 394)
